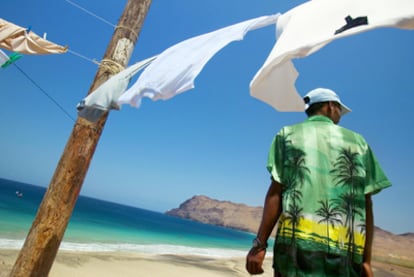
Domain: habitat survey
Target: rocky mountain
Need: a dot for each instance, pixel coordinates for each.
(221, 213)
(397, 250)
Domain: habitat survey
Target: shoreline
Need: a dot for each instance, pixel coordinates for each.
(146, 249)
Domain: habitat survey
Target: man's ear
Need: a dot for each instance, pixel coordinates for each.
(325, 107)
(330, 106)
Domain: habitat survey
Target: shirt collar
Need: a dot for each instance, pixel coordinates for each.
(319, 118)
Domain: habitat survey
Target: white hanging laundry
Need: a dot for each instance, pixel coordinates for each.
(104, 97)
(175, 69)
(307, 28)
(3, 58)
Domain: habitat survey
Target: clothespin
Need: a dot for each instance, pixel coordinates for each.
(12, 58)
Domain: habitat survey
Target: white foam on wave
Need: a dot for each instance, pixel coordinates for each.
(11, 244)
(160, 249)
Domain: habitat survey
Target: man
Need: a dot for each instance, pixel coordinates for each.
(323, 177)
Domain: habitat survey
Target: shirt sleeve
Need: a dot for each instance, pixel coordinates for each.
(375, 176)
(275, 158)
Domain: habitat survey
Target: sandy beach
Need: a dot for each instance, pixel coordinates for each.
(83, 264)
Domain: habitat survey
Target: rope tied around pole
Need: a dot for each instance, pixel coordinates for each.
(111, 66)
(128, 29)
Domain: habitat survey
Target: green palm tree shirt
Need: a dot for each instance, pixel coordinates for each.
(326, 171)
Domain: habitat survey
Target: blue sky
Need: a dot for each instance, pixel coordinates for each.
(211, 140)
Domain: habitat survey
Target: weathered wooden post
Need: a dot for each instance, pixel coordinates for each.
(42, 243)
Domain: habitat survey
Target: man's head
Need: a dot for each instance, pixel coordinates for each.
(325, 102)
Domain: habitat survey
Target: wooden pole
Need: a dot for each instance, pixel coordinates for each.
(42, 243)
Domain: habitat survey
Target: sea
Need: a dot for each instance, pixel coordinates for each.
(101, 226)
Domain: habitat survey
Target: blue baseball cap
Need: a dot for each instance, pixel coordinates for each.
(324, 95)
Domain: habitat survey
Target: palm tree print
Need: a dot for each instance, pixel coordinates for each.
(297, 173)
(330, 215)
(348, 172)
(362, 228)
(296, 162)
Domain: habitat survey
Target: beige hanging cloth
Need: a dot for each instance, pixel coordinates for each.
(18, 39)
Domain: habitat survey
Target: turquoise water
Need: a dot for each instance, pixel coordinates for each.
(98, 225)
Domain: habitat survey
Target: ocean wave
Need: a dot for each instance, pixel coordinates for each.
(156, 249)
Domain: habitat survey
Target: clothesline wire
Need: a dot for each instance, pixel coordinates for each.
(91, 13)
(44, 92)
(83, 57)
